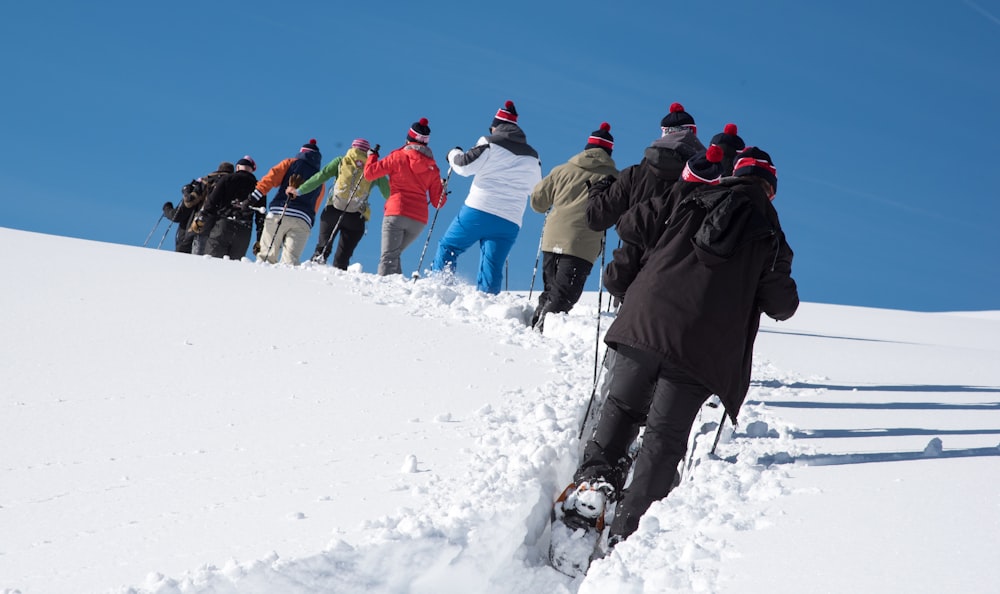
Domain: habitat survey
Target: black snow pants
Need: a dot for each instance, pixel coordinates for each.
(229, 237)
(351, 230)
(563, 279)
(646, 389)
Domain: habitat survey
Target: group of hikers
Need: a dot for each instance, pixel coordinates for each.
(701, 256)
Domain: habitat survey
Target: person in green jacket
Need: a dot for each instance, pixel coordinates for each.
(568, 245)
(346, 210)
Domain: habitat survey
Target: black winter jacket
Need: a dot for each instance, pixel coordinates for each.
(708, 268)
(228, 193)
(661, 166)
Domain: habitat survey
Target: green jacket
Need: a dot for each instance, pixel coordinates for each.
(564, 190)
(347, 170)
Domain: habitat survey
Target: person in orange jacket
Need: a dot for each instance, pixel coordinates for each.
(290, 217)
(414, 182)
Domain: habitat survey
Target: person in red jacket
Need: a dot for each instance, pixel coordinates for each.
(414, 182)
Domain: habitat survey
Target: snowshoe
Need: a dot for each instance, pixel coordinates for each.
(577, 525)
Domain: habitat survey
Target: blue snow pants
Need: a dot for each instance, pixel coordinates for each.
(496, 237)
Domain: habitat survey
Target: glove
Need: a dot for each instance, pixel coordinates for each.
(295, 181)
(256, 197)
(197, 225)
(602, 184)
(256, 248)
(168, 209)
(444, 193)
(373, 151)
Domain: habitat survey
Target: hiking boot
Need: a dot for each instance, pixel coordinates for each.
(584, 504)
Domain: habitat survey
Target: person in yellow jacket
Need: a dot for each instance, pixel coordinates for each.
(347, 209)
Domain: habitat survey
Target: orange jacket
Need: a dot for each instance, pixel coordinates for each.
(275, 177)
(414, 179)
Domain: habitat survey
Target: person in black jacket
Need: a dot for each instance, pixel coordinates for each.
(710, 264)
(183, 214)
(229, 206)
(660, 167)
(731, 143)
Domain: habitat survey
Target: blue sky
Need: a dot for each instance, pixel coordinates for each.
(881, 122)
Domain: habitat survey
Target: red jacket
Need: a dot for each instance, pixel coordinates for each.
(414, 178)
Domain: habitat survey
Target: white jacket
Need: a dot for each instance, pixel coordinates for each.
(506, 170)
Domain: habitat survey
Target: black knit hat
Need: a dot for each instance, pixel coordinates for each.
(705, 167)
(753, 161)
(249, 162)
(309, 146)
(601, 138)
(419, 132)
(506, 114)
(731, 144)
(729, 140)
(226, 167)
(677, 120)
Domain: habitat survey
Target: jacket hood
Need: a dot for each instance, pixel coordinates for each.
(667, 155)
(593, 159)
(311, 157)
(356, 154)
(511, 137)
(508, 131)
(420, 148)
(733, 219)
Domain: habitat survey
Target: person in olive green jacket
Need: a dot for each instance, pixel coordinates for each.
(347, 208)
(568, 245)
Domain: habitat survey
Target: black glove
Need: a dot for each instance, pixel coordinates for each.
(602, 184)
(168, 208)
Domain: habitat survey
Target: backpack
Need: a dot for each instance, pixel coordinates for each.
(197, 190)
(350, 175)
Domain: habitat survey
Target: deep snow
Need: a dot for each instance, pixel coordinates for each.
(182, 424)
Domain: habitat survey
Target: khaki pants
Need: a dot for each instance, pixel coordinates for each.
(290, 240)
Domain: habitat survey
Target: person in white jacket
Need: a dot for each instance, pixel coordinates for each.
(506, 169)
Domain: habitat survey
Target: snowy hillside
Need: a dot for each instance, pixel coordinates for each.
(175, 424)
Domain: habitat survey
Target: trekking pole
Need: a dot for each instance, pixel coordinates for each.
(610, 301)
(593, 395)
(538, 256)
(165, 234)
(267, 253)
(718, 433)
(437, 211)
(597, 346)
(600, 293)
(506, 275)
(151, 231)
(356, 184)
